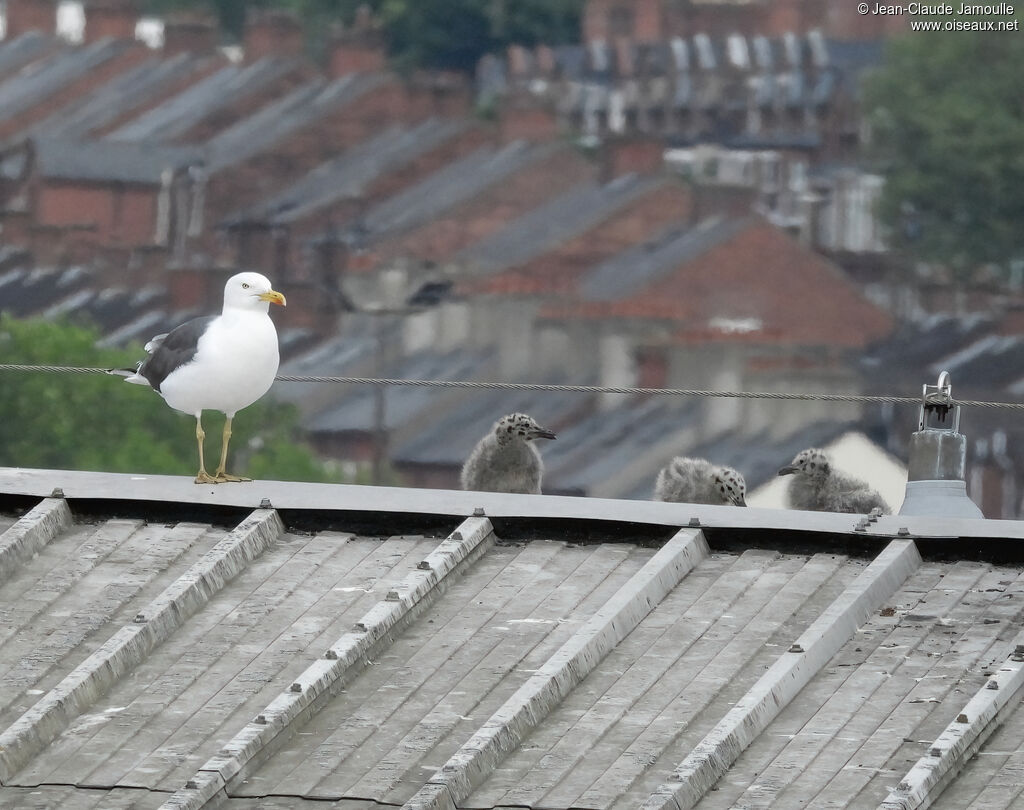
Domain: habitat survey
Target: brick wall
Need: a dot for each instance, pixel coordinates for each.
(269, 32)
(110, 18)
(31, 15)
(116, 214)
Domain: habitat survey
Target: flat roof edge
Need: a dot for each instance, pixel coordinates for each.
(441, 504)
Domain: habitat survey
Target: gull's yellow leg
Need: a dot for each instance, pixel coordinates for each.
(203, 477)
(221, 475)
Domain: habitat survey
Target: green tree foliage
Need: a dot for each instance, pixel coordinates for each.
(449, 34)
(947, 118)
(97, 422)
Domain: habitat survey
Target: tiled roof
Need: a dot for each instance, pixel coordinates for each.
(553, 222)
(368, 647)
(348, 175)
(28, 88)
(452, 185)
(103, 160)
(758, 276)
(17, 52)
(356, 412)
(111, 100)
(183, 111)
(303, 106)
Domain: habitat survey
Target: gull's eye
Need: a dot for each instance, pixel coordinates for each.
(245, 286)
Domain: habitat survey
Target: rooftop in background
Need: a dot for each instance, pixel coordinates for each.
(172, 645)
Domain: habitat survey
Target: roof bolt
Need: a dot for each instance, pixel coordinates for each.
(694, 523)
(265, 504)
(57, 493)
(862, 525)
(139, 618)
(992, 685)
(191, 784)
(796, 648)
(424, 565)
(261, 720)
(1019, 650)
(393, 596)
(479, 512)
(296, 687)
(360, 627)
(903, 531)
(935, 751)
(331, 655)
(903, 787)
(962, 718)
(456, 537)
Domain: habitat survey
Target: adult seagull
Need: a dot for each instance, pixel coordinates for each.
(221, 363)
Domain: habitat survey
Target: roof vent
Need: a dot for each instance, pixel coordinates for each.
(938, 457)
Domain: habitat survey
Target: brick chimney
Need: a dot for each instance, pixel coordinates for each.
(623, 154)
(31, 15)
(526, 117)
(636, 20)
(359, 49)
(115, 19)
(270, 32)
(190, 32)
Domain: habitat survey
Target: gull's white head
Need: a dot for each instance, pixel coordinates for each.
(250, 291)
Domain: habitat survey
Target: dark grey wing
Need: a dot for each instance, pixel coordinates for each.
(176, 349)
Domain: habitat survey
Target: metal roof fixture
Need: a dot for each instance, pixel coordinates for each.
(938, 454)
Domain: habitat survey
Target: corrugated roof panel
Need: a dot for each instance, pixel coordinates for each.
(496, 625)
(257, 666)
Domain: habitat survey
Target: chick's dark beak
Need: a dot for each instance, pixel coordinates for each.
(789, 469)
(541, 433)
(739, 501)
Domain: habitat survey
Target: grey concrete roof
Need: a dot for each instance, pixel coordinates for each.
(318, 657)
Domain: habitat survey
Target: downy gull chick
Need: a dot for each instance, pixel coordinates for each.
(506, 460)
(816, 487)
(697, 480)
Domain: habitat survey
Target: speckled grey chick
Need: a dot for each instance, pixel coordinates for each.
(696, 480)
(506, 460)
(816, 487)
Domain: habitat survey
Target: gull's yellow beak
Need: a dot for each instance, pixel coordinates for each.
(274, 297)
